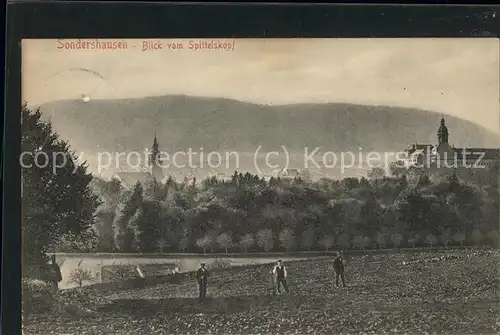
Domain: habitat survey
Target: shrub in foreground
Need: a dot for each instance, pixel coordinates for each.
(37, 296)
(220, 264)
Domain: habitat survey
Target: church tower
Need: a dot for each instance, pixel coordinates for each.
(444, 150)
(155, 162)
(442, 133)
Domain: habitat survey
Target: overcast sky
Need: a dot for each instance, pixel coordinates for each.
(459, 77)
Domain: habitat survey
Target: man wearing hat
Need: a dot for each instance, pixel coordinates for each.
(280, 274)
(202, 278)
(338, 265)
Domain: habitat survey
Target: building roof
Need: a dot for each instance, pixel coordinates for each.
(129, 179)
(423, 146)
(419, 148)
(289, 173)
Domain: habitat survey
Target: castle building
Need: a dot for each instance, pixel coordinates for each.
(151, 171)
(444, 155)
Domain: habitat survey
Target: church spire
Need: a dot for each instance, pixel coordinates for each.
(155, 142)
(155, 160)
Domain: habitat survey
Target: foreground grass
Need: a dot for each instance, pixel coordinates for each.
(459, 296)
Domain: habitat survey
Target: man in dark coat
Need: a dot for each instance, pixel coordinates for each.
(280, 274)
(338, 265)
(202, 278)
(55, 276)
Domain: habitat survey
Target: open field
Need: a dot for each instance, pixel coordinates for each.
(458, 294)
(185, 263)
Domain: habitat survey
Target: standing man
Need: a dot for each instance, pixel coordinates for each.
(338, 265)
(273, 280)
(55, 277)
(202, 278)
(54, 274)
(280, 274)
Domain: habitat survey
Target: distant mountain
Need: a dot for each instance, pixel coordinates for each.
(182, 122)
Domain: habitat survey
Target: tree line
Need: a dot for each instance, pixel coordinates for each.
(247, 213)
(251, 214)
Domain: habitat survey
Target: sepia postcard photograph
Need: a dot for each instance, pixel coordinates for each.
(260, 186)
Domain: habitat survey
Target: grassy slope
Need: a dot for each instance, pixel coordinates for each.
(454, 296)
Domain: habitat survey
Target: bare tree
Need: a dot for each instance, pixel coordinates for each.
(265, 239)
(79, 276)
(247, 241)
(225, 241)
(287, 238)
(204, 242)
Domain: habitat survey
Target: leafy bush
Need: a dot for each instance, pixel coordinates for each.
(265, 239)
(225, 241)
(204, 243)
(287, 239)
(118, 272)
(247, 241)
(220, 263)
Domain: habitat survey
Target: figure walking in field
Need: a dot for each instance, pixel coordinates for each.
(280, 276)
(202, 278)
(338, 265)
